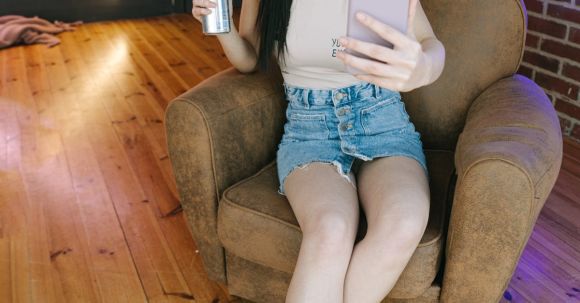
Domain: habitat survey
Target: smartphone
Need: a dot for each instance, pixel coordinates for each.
(392, 12)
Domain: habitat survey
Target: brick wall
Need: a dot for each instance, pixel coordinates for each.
(552, 57)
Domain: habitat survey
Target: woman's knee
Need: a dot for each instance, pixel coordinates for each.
(399, 235)
(411, 231)
(332, 231)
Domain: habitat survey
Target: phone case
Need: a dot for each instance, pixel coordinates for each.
(391, 12)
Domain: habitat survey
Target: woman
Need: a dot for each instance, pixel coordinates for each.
(348, 138)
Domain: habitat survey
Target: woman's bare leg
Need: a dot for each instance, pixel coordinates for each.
(394, 193)
(326, 207)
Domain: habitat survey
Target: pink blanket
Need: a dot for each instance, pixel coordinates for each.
(18, 29)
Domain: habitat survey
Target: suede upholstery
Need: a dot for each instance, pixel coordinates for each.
(217, 136)
(507, 159)
(493, 145)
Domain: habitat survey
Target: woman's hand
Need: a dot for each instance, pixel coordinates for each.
(201, 8)
(403, 68)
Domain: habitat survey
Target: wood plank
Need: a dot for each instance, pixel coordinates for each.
(207, 47)
(148, 245)
(149, 258)
(511, 294)
(137, 145)
(9, 129)
(114, 106)
(144, 75)
(551, 236)
(3, 73)
(571, 149)
(44, 285)
(110, 256)
(558, 272)
(571, 165)
(536, 288)
(147, 73)
(141, 163)
(178, 43)
(162, 47)
(4, 113)
(567, 185)
(148, 56)
(140, 104)
(46, 174)
(557, 225)
(14, 265)
(12, 208)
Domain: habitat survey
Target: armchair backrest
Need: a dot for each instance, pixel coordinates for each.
(484, 42)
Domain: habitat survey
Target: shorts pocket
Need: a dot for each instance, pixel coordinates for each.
(306, 126)
(385, 116)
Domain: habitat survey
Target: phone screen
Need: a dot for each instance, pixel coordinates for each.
(392, 12)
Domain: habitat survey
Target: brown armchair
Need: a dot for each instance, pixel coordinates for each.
(493, 145)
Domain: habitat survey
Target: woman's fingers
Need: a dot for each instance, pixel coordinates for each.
(372, 50)
(201, 11)
(198, 12)
(201, 8)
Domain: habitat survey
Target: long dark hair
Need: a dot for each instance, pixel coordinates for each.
(272, 22)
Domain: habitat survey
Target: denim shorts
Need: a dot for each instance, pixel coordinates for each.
(338, 126)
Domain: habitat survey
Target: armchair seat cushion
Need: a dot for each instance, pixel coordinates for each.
(258, 224)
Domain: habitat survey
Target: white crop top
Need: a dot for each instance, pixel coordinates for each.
(312, 43)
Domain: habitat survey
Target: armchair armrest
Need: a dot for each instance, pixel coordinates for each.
(218, 133)
(507, 159)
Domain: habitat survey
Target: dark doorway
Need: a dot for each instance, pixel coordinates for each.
(87, 10)
(188, 4)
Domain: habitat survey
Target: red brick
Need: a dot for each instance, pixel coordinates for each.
(547, 27)
(532, 40)
(561, 50)
(575, 131)
(551, 83)
(526, 71)
(542, 61)
(564, 13)
(574, 35)
(534, 5)
(568, 108)
(571, 71)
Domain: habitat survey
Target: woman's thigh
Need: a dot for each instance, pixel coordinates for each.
(319, 196)
(394, 191)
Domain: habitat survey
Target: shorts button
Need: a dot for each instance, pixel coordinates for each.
(343, 127)
(343, 111)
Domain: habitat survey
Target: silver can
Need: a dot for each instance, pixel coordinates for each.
(218, 22)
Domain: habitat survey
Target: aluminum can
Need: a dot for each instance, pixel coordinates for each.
(218, 22)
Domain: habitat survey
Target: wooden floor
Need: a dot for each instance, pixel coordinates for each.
(87, 197)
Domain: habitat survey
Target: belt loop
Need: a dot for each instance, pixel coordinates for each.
(349, 92)
(376, 91)
(332, 93)
(305, 101)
